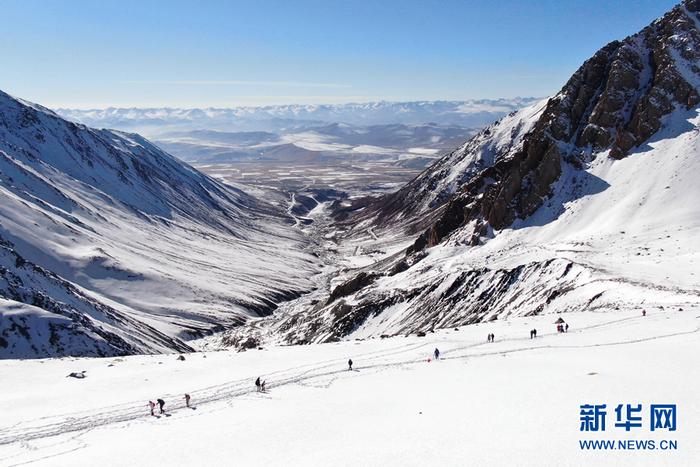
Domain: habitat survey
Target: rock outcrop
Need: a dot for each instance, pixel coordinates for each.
(615, 101)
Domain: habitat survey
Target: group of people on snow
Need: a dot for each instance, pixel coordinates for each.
(161, 405)
(260, 384)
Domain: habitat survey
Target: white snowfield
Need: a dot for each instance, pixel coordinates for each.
(513, 402)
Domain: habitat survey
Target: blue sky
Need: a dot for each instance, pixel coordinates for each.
(100, 53)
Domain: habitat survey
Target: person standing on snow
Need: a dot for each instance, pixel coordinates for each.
(566, 328)
(187, 400)
(350, 364)
(152, 405)
(534, 332)
(161, 404)
(257, 383)
(436, 353)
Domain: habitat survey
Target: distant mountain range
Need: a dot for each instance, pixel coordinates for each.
(398, 130)
(154, 121)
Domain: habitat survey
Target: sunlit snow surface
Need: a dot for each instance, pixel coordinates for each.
(515, 401)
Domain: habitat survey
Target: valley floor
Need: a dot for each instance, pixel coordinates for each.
(513, 402)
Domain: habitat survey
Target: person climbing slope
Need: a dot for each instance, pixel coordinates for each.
(350, 364)
(161, 404)
(436, 353)
(152, 405)
(187, 400)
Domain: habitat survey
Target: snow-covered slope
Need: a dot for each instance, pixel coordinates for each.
(396, 409)
(585, 201)
(620, 234)
(119, 247)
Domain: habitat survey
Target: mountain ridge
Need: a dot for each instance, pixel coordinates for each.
(467, 113)
(139, 251)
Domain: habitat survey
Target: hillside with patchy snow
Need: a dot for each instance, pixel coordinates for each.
(419, 201)
(109, 245)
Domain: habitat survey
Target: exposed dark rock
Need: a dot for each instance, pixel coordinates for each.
(351, 286)
(399, 267)
(249, 343)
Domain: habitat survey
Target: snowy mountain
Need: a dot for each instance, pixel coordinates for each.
(585, 201)
(108, 245)
(468, 114)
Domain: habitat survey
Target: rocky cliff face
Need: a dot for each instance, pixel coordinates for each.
(615, 101)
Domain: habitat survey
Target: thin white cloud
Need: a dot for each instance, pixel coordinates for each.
(297, 84)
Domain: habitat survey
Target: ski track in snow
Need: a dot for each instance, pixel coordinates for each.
(81, 422)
